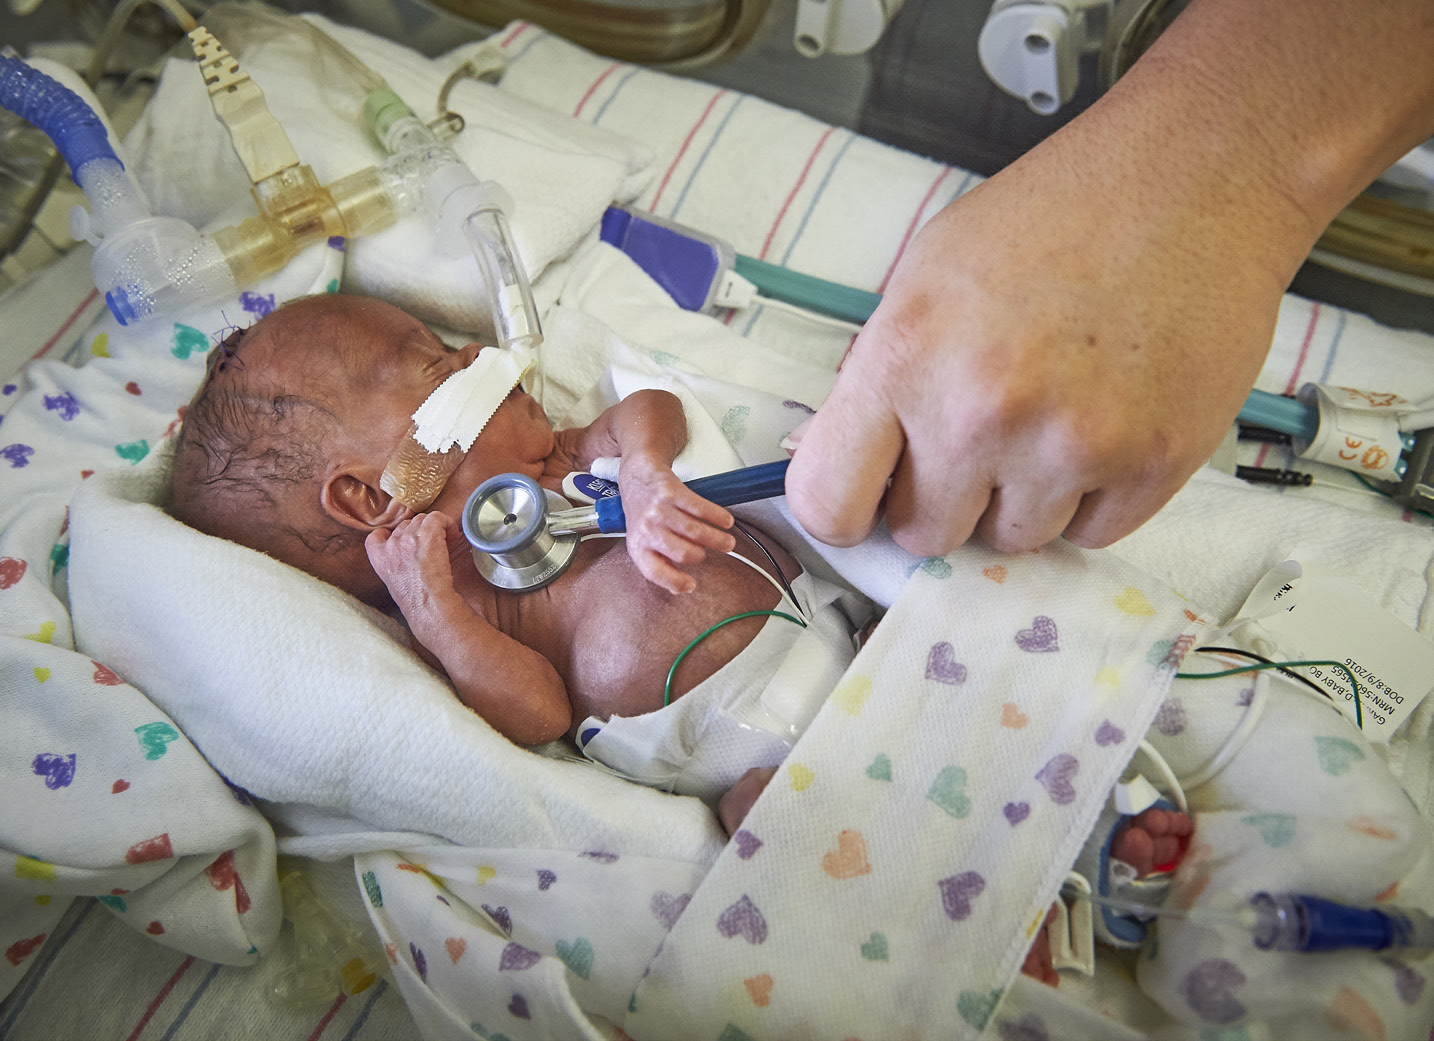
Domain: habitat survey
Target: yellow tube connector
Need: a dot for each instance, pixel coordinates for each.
(259, 140)
(295, 211)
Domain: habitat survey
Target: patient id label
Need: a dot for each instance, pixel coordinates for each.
(1311, 613)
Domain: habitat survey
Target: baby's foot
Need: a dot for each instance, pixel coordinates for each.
(1154, 840)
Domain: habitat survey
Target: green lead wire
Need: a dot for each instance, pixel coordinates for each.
(1358, 712)
(667, 688)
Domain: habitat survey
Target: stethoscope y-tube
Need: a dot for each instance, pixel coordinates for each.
(524, 536)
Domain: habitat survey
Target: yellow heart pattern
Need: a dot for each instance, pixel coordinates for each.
(850, 696)
(1133, 602)
(29, 867)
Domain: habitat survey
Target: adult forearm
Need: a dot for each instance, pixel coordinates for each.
(1300, 103)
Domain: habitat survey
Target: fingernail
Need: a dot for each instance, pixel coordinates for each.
(794, 439)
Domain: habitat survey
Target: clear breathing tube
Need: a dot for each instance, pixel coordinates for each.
(422, 172)
(1301, 923)
(515, 317)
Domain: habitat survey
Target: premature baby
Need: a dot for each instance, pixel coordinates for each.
(282, 450)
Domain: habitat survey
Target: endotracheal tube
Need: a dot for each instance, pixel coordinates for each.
(422, 171)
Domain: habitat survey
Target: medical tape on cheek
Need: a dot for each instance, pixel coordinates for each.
(448, 422)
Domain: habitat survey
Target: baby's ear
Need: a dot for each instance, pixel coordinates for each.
(356, 504)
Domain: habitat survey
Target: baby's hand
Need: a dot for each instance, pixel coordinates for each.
(413, 558)
(669, 526)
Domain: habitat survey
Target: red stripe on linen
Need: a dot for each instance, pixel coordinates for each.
(85, 303)
(328, 1016)
(596, 83)
(518, 31)
(793, 193)
(159, 998)
(911, 228)
(1294, 383)
(686, 143)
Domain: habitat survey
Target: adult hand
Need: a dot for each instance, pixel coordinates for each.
(1059, 350)
(1054, 354)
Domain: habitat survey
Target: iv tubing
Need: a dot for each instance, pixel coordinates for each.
(1298, 922)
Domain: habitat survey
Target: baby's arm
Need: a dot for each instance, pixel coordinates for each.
(668, 525)
(510, 685)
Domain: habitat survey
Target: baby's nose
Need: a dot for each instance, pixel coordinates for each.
(467, 354)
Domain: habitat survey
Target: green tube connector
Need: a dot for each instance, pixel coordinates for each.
(381, 109)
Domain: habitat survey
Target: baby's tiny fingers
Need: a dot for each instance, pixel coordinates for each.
(660, 573)
(667, 543)
(704, 509)
(698, 531)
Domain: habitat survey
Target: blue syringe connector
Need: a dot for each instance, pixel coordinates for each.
(1296, 922)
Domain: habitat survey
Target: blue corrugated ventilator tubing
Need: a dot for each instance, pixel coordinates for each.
(72, 125)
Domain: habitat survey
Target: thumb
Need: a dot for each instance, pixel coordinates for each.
(845, 454)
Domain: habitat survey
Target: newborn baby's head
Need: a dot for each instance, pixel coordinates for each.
(283, 445)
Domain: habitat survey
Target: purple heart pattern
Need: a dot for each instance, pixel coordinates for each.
(1041, 638)
(958, 891)
(942, 666)
(743, 919)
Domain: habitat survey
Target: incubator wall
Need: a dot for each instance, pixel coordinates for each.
(921, 88)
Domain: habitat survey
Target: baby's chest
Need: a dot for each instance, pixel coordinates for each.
(629, 633)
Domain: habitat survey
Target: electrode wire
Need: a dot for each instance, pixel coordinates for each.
(1282, 665)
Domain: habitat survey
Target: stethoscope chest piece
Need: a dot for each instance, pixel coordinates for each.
(506, 520)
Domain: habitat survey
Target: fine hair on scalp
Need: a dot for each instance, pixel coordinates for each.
(247, 453)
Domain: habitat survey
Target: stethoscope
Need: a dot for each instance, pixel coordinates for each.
(525, 536)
